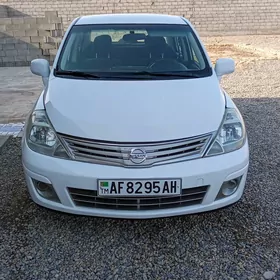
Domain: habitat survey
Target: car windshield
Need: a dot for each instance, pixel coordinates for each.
(132, 50)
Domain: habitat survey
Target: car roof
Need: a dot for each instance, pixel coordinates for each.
(130, 19)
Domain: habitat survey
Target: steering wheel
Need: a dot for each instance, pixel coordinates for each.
(167, 65)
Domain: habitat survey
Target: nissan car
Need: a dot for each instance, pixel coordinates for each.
(133, 122)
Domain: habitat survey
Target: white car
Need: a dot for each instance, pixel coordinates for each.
(133, 122)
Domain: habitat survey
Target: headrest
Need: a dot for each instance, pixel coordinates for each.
(155, 41)
(102, 42)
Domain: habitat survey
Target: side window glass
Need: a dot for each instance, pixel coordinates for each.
(179, 47)
(172, 43)
(118, 36)
(72, 51)
(196, 55)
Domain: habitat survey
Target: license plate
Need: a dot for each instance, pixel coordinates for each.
(161, 187)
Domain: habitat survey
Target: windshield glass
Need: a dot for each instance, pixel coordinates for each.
(123, 50)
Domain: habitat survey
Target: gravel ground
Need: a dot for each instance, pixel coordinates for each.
(239, 242)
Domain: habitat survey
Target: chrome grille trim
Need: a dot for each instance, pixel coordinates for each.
(89, 198)
(116, 153)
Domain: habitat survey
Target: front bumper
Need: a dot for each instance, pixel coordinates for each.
(62, 174)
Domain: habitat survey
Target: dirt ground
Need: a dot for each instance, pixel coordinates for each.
(19, 89)
(244, 49)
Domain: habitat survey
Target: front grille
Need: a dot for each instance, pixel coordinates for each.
(89, 198)
(114, 153)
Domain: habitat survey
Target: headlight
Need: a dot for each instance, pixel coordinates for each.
(231, 135)
(42, 138)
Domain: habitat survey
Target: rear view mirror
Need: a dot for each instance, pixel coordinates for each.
(41, 67)
(224, 66)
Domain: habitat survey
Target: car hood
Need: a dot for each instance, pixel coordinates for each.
(135, 110)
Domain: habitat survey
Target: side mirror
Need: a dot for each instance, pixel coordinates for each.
(41, 67)
(224, 66)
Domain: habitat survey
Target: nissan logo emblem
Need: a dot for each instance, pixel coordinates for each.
(137, 156)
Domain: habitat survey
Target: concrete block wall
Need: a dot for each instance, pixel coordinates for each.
(30, 29)
(211, 17)
(3, 12)
(23, 39)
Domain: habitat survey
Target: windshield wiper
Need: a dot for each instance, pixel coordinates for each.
(163, 74)
(117, 75)
(76, 74)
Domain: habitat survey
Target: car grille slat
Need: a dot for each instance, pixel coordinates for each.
(77, 141)
(111, 145)
(90, 198)
(114, 153)
(93, 157)
(92, 195)
(173, 144)
(185, 149)
(132, 204)
(87, 151)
